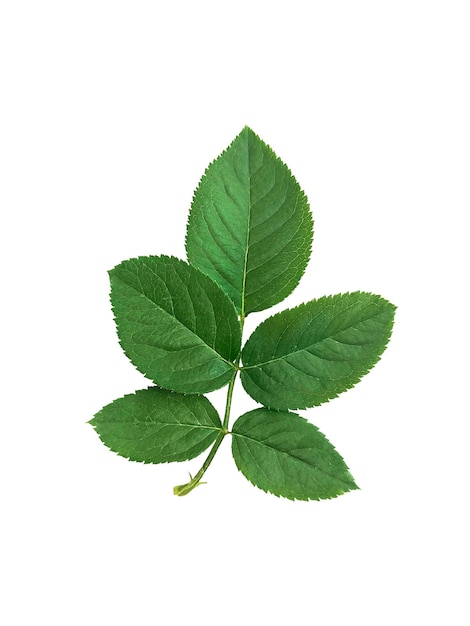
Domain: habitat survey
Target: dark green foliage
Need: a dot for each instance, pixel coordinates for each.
(284, 454)
(157, 426)
(248, 242)
(250, 227)
(305, 356)
(175, 324)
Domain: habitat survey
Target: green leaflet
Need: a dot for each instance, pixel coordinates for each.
(250, 227)
(284, 454)
(304, 356)
(158, 426)
(175, 324)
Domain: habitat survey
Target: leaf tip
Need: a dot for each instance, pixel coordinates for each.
(247, 130)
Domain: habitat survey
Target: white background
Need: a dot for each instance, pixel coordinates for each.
(110, 112)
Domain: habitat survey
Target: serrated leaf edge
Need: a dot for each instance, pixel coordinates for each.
(306, 499)
(124, 456)
(308, 215)
(336, 395)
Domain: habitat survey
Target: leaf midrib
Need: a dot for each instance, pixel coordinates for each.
(247, 241)
(306, 348)
(292, 456)
(140, 424)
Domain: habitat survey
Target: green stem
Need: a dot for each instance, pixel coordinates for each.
(228, 404)
(182, 490)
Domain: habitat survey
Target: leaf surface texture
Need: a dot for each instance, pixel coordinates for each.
(175, 324)
(283, 454)
(305, 356)
(158, 426)
(250, 226)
